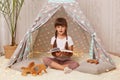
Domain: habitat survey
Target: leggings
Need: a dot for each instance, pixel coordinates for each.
(71, 64)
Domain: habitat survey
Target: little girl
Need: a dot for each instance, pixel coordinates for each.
(62, 41)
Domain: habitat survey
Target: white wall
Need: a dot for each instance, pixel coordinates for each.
(29, 12)
(105, 18)
(4, 33)
(104, 15)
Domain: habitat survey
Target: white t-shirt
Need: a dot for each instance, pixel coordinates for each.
(61, 42)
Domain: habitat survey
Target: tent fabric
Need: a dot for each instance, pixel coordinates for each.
(61, 1)
(37, 38)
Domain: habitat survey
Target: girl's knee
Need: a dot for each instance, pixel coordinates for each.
(73, 65)
(47, 61)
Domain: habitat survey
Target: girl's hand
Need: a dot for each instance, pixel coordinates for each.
(66, 54)
(58, 54)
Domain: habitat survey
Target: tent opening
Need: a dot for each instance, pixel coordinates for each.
(41, 37)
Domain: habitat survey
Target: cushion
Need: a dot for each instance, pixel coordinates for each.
(103, 66)
(24, 63)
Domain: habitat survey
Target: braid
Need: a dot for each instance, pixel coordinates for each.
(55, 43)
(66, 44)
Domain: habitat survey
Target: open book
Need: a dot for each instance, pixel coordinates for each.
(58, 50)
(65, 54)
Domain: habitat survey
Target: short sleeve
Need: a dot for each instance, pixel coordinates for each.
(70, 41)
(52, 40)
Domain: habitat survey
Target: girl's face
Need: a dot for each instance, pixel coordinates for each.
(60, 30)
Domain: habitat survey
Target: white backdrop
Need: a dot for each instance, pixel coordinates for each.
(104, 15)
(4, 33)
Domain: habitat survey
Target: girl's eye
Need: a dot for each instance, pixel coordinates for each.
(58, 27)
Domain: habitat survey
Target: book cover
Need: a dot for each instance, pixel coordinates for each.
(58, 50)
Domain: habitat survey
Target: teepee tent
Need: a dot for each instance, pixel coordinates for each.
(37, 39)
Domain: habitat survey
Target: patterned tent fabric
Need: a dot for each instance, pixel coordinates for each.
(37, 39)
(61, 1)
